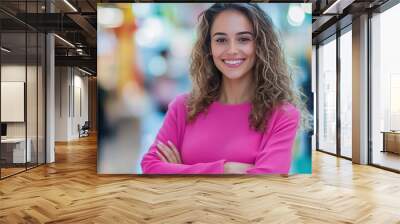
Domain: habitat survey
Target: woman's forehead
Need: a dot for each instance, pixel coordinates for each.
(231, 22)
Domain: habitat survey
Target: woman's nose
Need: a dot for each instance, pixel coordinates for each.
(232, 48)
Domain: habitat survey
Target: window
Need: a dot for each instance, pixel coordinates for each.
(327, 97)
(346, 94)
(385, 88)
(22, 77)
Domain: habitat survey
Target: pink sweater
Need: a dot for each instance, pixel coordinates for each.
(224, 135)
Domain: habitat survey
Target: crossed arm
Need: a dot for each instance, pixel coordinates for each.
(170, 154)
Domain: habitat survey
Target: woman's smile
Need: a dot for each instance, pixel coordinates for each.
(233, 63)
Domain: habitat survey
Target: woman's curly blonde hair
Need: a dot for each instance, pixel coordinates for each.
(274, 83)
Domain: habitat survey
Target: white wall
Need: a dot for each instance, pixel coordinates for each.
(33, 126)
(12, 73)
(61, 103)
(81, 100)
(12, 101)
(71, 94)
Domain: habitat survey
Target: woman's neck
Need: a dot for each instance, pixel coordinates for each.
(236, 91)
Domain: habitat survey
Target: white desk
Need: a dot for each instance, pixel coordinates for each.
(19, 149)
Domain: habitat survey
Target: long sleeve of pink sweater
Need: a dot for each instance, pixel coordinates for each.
(223, 134)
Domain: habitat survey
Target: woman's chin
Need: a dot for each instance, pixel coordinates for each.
(233, 76)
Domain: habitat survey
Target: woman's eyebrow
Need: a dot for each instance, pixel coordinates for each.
(219, 33)
(240, 33)
(244, 32)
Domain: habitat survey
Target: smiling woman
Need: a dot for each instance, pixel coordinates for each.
(232, 46)
(243, 113)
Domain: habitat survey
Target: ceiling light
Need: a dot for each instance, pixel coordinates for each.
(70, 5)
(64, 40)
(337, 7)
(5, 49)
(79, 51)
(84, 71)
(328, 10)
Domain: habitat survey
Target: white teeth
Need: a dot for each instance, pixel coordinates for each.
(233, 62)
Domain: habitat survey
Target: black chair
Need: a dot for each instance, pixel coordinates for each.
(84, 130)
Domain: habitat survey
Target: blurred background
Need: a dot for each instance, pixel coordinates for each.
(143, 59)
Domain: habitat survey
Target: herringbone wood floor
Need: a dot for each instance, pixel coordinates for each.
(70, 191)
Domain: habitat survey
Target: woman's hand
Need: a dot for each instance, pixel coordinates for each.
(236, 168)
(168, 153)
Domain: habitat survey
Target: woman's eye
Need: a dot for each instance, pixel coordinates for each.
(220, 40)
(243, 39)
